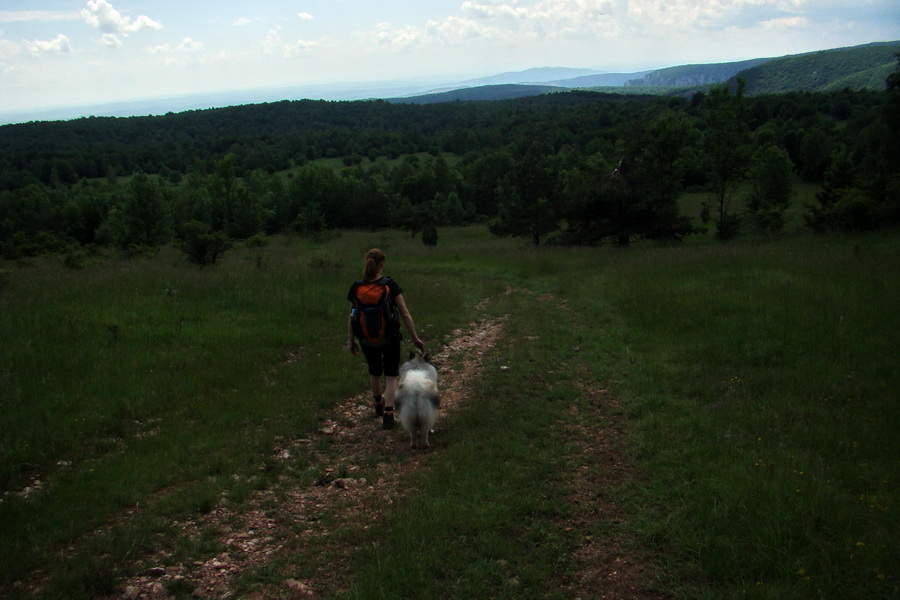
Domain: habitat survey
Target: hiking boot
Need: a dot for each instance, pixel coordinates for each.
(387, 421)
(379, 406)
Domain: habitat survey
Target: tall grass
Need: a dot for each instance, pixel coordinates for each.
(763, 381)
(125, 380)
(759, 379)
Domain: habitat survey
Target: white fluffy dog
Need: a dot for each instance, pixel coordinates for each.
(417, 401)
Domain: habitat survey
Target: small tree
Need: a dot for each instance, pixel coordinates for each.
(524, 198)
(841, 205)
(724, 141)
(142, 220)
(772, 174)
(310, 221)
(430, 235)
(201, 246)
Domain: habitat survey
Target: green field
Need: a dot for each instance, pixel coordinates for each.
(754, 389)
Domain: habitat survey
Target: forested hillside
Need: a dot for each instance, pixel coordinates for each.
(574, 167)
(855, 68)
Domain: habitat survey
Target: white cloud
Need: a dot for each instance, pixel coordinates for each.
(548, 11)
(494, 10)
(786, 23)
(386, 35)
(8, 50)
(58, 45)
(111, 40)
(186, 53)
(244, 21)
(507, 21)
(305, 16)
(19, 16)
(274, 45)
(101, 15)
(552, 20)
(186, 45)
(690, 15)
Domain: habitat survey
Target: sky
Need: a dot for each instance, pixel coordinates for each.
(57, 53)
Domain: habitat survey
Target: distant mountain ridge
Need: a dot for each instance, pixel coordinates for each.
(536, 75)
(857, 67)
(481, 93)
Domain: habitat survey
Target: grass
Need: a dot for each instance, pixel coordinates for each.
(485, 519)
(761, 378)
(758, 380)
(130, 379)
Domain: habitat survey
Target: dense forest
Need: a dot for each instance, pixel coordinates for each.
(569, 168)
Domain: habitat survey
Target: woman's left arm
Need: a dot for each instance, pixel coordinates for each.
(408, 321)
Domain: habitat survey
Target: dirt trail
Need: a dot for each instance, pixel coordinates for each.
(279, 520)
(283, 521)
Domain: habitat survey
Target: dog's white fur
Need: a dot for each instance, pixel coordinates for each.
(418, 399)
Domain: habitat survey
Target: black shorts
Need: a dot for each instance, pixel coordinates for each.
(383, 360)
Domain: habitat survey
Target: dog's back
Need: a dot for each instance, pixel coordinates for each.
(418, 399)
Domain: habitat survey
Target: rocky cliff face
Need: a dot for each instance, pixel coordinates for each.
(695, 75)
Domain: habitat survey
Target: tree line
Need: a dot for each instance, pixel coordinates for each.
(572, 168)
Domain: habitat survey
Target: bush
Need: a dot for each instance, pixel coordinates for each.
(202, 246)
(847, 209)
(430, 235)
(260, 240)
(77, 259)
(854, 211)
(324, 261)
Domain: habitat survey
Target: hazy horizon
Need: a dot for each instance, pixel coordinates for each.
(74, 53)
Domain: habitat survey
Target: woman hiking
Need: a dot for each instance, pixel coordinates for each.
(377, 306)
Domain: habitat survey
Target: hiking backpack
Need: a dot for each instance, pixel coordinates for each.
(375, 323)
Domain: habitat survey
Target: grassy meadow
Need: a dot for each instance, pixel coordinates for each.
(758, 383)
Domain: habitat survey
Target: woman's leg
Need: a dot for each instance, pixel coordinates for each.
(390, 390)
(375, 384)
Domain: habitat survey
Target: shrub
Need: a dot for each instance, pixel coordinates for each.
(430, 235)
(76, 259)
(260, 240)
(324, 261)
(202, 246)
